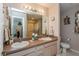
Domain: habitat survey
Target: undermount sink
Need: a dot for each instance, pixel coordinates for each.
(45, 39)
(20, 44)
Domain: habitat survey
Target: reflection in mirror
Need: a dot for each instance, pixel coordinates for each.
(17, 27)
(34, 24)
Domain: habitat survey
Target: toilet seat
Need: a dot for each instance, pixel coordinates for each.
(65, 45)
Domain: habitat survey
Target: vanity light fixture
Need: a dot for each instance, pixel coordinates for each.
(40, 11)
(29, 7)
(26, 7)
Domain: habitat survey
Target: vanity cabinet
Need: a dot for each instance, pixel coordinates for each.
(48, 49)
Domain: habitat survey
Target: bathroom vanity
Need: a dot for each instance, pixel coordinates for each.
(25, 23)
(35, 48)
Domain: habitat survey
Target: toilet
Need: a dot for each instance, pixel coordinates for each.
(65, 46)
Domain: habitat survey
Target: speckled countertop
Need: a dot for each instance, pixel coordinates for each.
(9, 50)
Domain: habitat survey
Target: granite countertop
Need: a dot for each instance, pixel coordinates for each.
(9, 50)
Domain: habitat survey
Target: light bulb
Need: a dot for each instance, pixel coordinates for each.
(26, 6)
(29, 7)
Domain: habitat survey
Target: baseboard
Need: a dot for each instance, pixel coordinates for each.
(74, 50)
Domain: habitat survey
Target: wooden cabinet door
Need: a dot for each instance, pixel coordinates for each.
(50, 51)
(53, 50)
(46, 51)
(30, 29)
(39, 50)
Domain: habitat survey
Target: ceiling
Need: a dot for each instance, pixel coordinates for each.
(67, 6)
(63, 6)
(47, 4)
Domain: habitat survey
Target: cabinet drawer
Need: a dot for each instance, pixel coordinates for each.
(50, 44)
(32, 54)
(40, 47)
(24, 52)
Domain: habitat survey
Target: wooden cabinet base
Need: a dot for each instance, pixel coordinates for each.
(49, 49)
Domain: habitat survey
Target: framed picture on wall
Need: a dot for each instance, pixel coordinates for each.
(66, 20)
(77, 22)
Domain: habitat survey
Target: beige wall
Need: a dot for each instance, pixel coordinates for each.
(54, 11)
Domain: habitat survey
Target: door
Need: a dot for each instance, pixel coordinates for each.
(30, 29)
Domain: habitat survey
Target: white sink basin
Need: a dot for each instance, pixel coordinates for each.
(45, 39)
(20, 44)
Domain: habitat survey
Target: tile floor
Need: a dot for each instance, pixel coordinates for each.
(69, 53)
